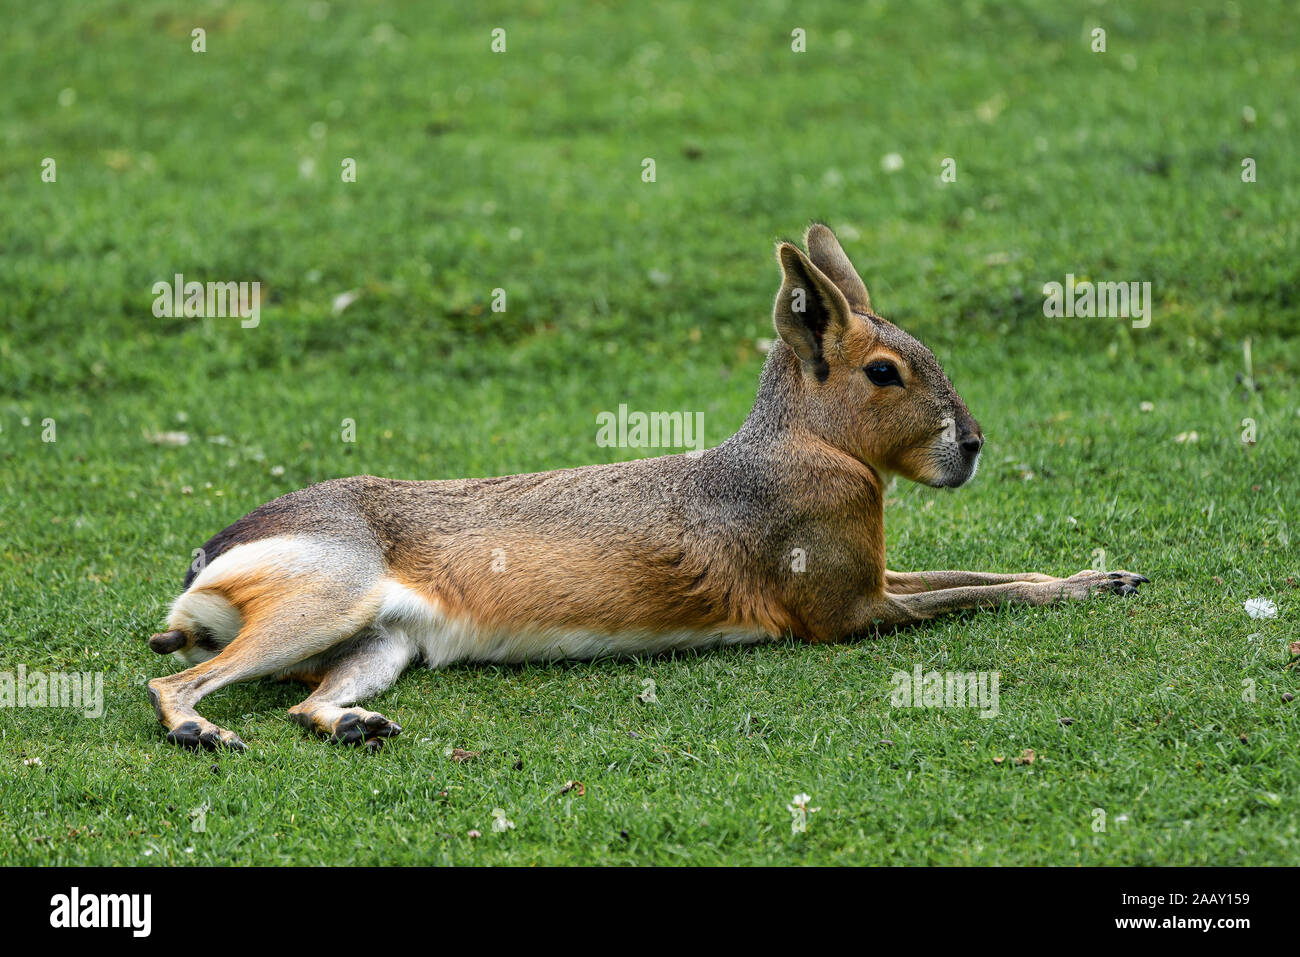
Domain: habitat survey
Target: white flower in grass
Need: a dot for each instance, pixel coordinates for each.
(172, 440)
(799, 809)
(343, 300)
(1260, 608)
(500, 822)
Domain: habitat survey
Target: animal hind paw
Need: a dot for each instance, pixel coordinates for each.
(198, 734)
(361, 727)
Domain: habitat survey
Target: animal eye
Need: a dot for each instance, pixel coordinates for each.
(883, 373)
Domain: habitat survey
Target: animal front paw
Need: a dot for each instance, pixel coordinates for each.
(1090, 582)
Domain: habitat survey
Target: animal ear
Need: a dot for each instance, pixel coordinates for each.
(828, 255)
(808, 309)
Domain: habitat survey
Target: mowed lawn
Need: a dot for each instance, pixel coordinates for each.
(523, 171)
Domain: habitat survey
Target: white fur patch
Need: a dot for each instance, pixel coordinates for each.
(443, 640)
(203, 611)
(284, 554)
(197, 610)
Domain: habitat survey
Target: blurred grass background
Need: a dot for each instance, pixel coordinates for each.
(522, 171)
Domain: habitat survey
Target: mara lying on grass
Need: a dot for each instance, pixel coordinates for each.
(344, 584)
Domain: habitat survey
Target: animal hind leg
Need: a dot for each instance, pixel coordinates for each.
(367, 667)
(270, 643)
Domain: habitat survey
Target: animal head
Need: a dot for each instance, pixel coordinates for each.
(866, 386)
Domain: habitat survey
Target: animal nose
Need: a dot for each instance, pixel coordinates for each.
(971, 443)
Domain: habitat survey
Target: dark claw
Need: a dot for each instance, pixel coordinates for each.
(374, 744)
(348, 730)
(215, 740)
(382, 727)
(234, 743)
(353, 729)
(186, 735)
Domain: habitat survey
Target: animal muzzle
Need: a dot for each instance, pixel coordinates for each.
(959, 457)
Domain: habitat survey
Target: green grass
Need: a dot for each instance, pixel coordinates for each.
(522, 171)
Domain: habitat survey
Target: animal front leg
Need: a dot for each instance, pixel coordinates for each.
(893, 609)
(909, 583)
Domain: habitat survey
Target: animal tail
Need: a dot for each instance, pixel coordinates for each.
(166, 642)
